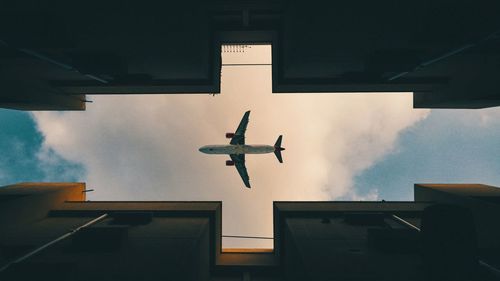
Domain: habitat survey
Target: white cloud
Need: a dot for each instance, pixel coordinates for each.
(146, 147)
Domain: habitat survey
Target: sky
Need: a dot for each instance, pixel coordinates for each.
(338, 146)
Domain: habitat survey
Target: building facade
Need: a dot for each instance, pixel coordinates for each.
(445, 52)
(49, 232)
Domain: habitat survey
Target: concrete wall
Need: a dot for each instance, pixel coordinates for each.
(338, 250)
(163, 249)
(445, 51)
(480, 199)
(27, 202)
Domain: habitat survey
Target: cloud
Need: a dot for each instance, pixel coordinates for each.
(146, 147)
(55, 168)
(454, 146)
(20, 145)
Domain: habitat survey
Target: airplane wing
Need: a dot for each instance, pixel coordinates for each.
(239, 162)
(239, 135)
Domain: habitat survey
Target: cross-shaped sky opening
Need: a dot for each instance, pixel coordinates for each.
(338, 146)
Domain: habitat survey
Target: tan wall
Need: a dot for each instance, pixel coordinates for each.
(27, 202)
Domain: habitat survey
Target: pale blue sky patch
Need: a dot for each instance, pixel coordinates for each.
(21, 149)
(450, 146)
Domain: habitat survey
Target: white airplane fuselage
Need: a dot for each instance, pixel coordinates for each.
(237, 149)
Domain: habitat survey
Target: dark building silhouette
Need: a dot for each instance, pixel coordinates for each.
(54, 53)
(49, 232)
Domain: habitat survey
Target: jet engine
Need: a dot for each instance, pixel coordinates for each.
(229, 163)
(229, 135)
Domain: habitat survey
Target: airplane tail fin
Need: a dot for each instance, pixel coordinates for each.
(278, 149)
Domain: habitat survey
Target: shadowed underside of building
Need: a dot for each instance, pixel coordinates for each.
(54, 53)
(49, 232)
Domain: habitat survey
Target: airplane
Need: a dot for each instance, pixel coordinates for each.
(237, 149)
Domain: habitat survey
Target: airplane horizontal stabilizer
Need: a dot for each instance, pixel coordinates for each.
(278, 149)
